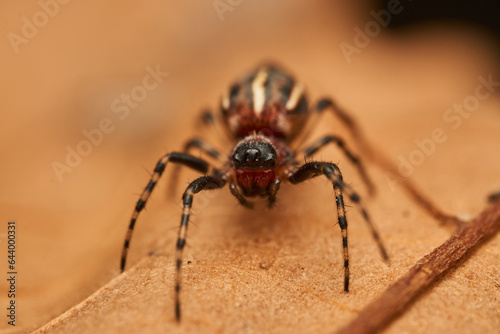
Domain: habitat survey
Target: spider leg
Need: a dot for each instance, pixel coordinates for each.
(379, 158)
(236, 193)
(207, 120)
(332, 172)
(327, 103)
(319, 144)
(202, 145)
(348, 121)
(494, 197)
(207, 117)
(197, 143)
(180, 158)
(210, 121)
(202, 183)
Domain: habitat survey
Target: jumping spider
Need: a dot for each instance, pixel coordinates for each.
(263, 113)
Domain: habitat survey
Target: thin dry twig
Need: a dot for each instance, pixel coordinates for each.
(396, 299)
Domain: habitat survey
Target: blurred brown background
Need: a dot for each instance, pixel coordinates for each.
(61, 77)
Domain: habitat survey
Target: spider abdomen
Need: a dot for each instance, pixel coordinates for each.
(267, 101)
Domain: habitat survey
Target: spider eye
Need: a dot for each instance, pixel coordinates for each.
(254, 155)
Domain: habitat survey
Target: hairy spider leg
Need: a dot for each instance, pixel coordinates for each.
(313, 169)
(321, 143)
(376, 156)
(202, 183)
(208, 120)
(200, 144)
(494, 197)
(322, 105)
(179, 158)
(332, 172)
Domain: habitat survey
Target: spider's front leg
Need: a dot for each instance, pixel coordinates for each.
(194, 143)
(179, 158)
(202, 183)
(332, 172)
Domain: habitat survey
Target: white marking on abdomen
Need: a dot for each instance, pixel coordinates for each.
(295, 96)
(225, 101)
(259, 91)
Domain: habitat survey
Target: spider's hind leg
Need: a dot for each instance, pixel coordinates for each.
(376, 156)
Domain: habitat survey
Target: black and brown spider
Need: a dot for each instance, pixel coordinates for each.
(264, 114)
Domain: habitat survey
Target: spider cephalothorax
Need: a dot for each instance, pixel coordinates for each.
(264, 113)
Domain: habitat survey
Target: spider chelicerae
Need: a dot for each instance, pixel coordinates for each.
(264, 113)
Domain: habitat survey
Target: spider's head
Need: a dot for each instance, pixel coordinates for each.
(255, 155)
(255, 166)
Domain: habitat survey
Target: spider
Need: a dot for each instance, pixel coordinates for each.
(264, 113)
